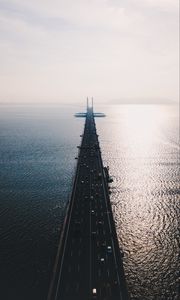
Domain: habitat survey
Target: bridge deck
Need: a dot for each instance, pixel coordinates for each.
(89, 263)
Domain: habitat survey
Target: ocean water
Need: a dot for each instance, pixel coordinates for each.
(37, 165)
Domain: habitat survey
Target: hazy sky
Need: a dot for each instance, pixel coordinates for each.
(64, 50)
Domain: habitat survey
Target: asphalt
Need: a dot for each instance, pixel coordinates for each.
(89, 262)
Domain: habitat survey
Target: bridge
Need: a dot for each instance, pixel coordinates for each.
(89, 261)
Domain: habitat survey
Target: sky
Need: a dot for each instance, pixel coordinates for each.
(66, 50)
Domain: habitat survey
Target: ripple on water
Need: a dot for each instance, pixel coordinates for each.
(38, 145)
(146, 198)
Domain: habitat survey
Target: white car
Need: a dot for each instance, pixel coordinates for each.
(109, 249)
(94, 293)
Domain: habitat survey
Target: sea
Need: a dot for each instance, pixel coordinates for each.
(38, 146)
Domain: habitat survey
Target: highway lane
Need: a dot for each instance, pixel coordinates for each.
(108, 281)
(89, 268)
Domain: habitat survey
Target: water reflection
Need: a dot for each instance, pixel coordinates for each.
(38, 146)
(37, 150)
(142, 155)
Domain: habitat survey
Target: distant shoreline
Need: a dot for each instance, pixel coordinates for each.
(97, 103)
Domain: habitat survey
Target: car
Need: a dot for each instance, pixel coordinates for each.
(94, 293)
(93, 233)
(109, 249)
(99, 175)
(102, 260)
(103, 248)
(92, 212)
(100, 223)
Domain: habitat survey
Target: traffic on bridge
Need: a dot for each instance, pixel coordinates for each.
(89, 261)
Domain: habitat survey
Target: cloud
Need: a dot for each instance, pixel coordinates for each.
(170, 5)
(108, 48)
